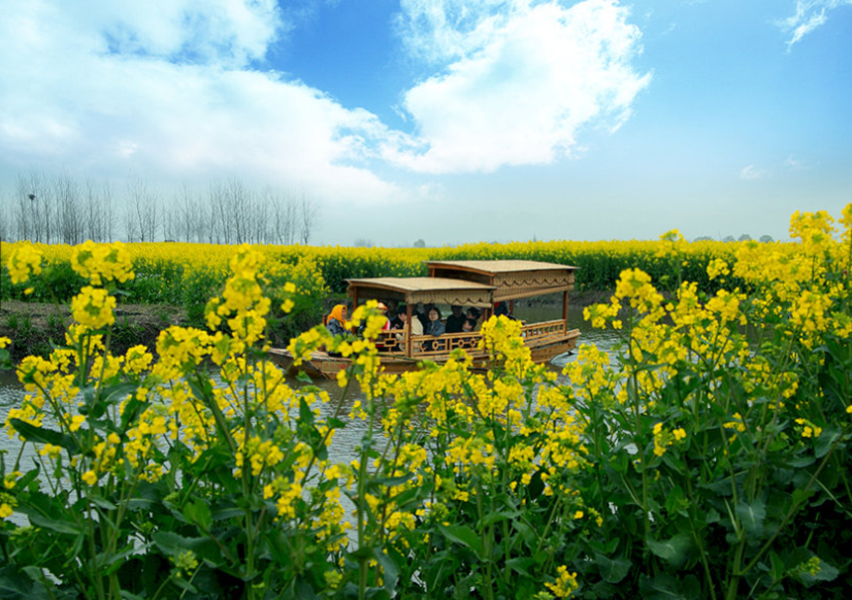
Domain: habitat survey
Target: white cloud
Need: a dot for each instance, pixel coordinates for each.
(797, 164)
(521, 79)
(169, 91)
(751, 173)
(810, 14)
(173, 90)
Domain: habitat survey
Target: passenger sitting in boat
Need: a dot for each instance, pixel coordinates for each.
(336, 323)
(473, 314)
(436, 326)
(468, 343)
(393, 314)
(501, 308)
(422, 314)
(416, 327)
(384, 309)
(455, 320)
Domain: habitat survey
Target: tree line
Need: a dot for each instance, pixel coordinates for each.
(60, 209)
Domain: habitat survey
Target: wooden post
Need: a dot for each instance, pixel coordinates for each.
(407, 329)
(565, 308)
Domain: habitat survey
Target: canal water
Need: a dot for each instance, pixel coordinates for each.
(346, 439)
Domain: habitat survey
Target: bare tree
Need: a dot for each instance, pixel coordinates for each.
(143, 215)
(66, 193)
(282, 217)
(189, 216)
(99, 221)
(308, 216)
(222, 228)
(238, 200)
(34, 211)
(5, 217)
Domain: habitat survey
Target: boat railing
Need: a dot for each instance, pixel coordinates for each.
(425, 346)
(544, 330)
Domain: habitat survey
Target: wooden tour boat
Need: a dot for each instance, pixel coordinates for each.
(478, 283)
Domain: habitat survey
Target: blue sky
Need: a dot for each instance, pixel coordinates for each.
(448, 120)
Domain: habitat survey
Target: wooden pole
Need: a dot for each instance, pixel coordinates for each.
(408, 317)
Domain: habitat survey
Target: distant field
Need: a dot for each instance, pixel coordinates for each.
(182, 273)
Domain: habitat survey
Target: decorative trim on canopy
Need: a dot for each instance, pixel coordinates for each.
(512, 279)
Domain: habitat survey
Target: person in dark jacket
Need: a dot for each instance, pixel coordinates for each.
(455, 320)
(502, 309)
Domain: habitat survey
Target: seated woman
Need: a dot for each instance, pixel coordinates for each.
(336, 322)
(435, 327)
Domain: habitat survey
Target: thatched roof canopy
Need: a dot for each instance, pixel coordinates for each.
(411, 290)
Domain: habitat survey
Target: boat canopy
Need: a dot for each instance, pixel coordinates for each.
(510, 279)
(428, 290)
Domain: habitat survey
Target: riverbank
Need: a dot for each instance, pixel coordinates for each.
(33, 327)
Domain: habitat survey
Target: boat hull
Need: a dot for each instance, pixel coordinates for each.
(321, 364)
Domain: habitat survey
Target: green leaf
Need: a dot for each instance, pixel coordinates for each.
(172, 544)
(496, 517)
(335, 423)
(202, 390)
(826, 572)
(112, 562)
(130, 411)
(520, 565)
(620, 462)
(674, 550)
(799, 495)
(751, 516)
(536, 485)
(303, 377)
(28, 477)
(777, 566)
(461, 534)
(389, 481)
(824, 442)
(198, 513)
(666, 587)
(45, 436)
(39, 520)
(391, 572)
(102, 503)
(675, 501)
(306, 415)
(5, 359)
(118, 392)
(612, 570)
(17, 585)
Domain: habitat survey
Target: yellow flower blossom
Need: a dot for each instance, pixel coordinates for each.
(565, 583)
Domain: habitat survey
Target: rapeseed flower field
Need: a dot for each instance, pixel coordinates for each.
(707, 457)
